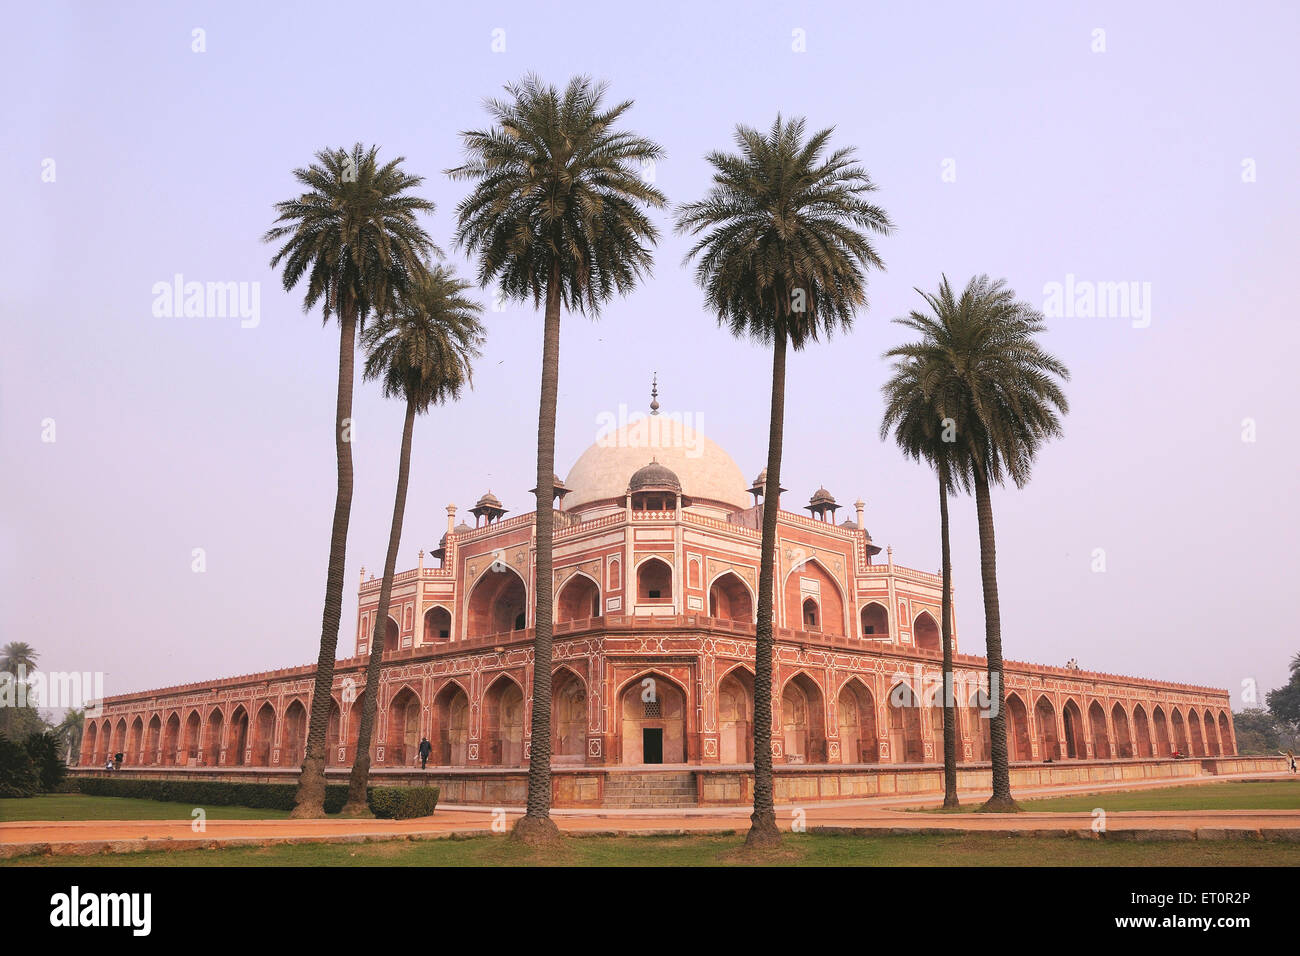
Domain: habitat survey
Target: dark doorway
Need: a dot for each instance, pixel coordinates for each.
(652, 744)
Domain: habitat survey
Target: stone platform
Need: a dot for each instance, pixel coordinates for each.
(686, 785)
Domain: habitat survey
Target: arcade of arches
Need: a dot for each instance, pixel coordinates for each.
(658, 719)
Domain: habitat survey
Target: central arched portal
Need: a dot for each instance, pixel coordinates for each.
(653, 721)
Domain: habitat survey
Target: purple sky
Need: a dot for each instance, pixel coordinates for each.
(182, 433)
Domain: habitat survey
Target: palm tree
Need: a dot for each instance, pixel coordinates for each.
(917, 399)
(18, 657)
(557, 215)
(70, 729)
(422, 353)
(1006, 405)
(353, 235)
(782, 259)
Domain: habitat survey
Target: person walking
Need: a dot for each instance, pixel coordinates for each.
(426, 748)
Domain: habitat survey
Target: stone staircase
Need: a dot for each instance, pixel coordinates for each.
(649, 790)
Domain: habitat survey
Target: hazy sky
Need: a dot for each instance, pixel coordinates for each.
(1001, 143)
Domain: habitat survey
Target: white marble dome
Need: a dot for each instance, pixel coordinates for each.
(706, 471)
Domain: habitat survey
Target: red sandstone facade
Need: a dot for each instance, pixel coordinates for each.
(656, 571)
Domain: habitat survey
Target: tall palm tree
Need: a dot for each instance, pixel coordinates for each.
(353, 235)
(421, 351)
(16, 656)
(557, 215)
(917, 402)
(782, 258)
(1008, 404)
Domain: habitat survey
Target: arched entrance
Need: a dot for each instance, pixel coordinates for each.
(875, 621)
(905, 725)
(437, 625)
(1123, 737)
(1226, 743)
(654, 582)
(1180, 732)
(1100, 739)
(1142, 732)
(1164, 747)
(1045, 717)
(171, 740)
(451, 733)
(1018, 746)
(1211, 737)
(578, 600)
(729, 599)
(568, 718)
(503, 724)
(263, 735)
(803, 724)
(237, 742)
(936, 714)
(295, 734)
(402, 739)
(1194, 734)
(152, 741)
(193, 736)
(497, 605)
(856, 709)
(735, 717)
(134, 741)
(212, 739)
(925, 632)
(653, 721)
(1072, 717)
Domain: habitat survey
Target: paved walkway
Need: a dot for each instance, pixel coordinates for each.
(878, 816)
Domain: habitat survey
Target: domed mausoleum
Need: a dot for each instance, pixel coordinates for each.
(656, 557)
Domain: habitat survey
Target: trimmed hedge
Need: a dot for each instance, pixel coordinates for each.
(402, 803)
(212, 793)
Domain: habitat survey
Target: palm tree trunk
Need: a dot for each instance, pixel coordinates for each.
(1001, 801)
(310, 799)
(949, 703)
(356, 803)
(536, 826)
(763, 830)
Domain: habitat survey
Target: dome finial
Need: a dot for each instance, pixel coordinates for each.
(654, 394)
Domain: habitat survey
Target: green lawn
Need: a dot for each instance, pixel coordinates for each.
(1265, 795)
(801, 850)
(77, 806)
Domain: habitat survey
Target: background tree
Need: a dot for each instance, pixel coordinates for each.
(1006, 404)
(19, 717)
(783, 252)
(70, 730)
(917, 399)
(1284, 702)
(557, 216)
(18, 658)
(421, 352)
(353, 235)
